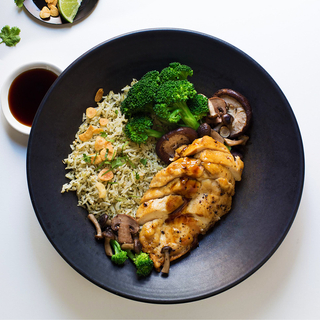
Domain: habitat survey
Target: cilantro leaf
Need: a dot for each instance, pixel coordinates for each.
(144, 161)
(10, 36)
(86, 158)
(19, 3)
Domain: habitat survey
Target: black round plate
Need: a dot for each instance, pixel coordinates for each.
(266, 200)
(34, 7)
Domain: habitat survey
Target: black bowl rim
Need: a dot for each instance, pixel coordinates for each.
(289, 222)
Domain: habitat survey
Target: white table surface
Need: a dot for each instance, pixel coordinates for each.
(283, 37)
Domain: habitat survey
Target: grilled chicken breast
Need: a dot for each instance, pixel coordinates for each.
(186, 198)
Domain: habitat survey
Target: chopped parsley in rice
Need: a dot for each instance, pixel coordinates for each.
(108, 172)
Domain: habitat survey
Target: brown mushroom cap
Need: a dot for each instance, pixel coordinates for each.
(125, 226)
(215, 135)
(239, 108)
(204, 130)
(104, 221)
(169, 142)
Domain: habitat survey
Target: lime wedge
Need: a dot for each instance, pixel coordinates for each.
(68, 9)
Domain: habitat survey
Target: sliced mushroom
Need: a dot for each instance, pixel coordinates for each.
(215, 135)
(166, 266)
(108, 235)
(239, 108)
(241, 141)
(126, 226)
(217, 107)
(169, 142)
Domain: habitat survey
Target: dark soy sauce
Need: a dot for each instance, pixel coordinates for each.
(27, 91)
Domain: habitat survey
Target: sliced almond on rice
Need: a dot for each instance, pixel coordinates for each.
(110, 149)
(86, 136)
(105, 175)
(91, 112)
(103, 122)
(100, 143)
(95, 158)
(102, 189)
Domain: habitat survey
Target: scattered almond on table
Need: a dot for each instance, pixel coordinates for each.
(51, 10)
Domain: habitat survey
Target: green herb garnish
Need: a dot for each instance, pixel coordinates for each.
(86, 158)
(19, 3)
(95, 157)
(115, 164)
(123, 146)
(144, 161)
(105, 135)
(137, 176)
(130, 162)
(10, 36)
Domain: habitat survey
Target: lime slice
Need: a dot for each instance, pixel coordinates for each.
(69, 8)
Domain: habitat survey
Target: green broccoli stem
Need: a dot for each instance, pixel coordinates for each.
(186, 116)
(116, 246)
(131, 255)
(154, 133)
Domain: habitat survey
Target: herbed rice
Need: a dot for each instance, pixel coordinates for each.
(130, 181)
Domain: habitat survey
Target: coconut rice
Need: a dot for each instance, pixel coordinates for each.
(130, 180)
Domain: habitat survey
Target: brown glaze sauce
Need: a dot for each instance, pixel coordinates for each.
(27, 91)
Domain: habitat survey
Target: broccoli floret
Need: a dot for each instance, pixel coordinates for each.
(120, 256)
(171, 102)
(141, 95)
(138, 129)
(142, 262)
(198, 106)
(175, 71)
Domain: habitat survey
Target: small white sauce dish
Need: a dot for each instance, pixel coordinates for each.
(25, 129)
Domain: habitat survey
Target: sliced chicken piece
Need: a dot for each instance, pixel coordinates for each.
(199, 145)
(209, 186)
(179, 234)
(182, 167)
(158, 208)
(218, 171)
(227, 160)
(226, 186)
(182, 186)
(222, 175)
(190, 188)
(186, 198)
